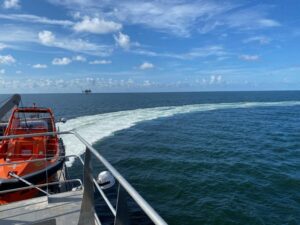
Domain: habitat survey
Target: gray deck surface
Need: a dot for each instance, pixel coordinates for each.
(60, 209)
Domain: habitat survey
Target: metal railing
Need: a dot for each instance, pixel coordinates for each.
(87, 214)
(42, 185)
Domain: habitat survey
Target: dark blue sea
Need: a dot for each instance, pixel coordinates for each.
(197, 158)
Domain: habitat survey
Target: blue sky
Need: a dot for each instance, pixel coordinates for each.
(142, 46)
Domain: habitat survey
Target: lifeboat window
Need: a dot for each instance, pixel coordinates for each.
(38, 124)
(2, 128)
(32, 120)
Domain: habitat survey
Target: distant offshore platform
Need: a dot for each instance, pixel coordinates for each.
(87, 91)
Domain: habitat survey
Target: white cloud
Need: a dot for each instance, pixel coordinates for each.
(100, 62)
(123, 40)
(76, 45)
(215, 79)
(96, 25)
(212, 50)
(11, 4)
(16, 33)
(147, 83)
(61, 61)
(2, 71)
(40, 66)
(268, 23)
(248, 19)
(79, 58)
(249, 57)
(146, 65)
(178, 17)
(2, 46)
(66, 85)
(260, 39)
(35, 19)
(7, 59)
(202, 52)
(46, 37)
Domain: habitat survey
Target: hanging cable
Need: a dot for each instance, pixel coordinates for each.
(21, 103)
(46, 166)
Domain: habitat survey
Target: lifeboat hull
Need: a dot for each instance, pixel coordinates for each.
(36, 159)
(48, 174)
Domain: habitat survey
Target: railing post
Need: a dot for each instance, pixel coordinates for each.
(87, 205)
(122, 213)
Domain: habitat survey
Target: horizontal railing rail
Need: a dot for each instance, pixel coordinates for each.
(123, 183)
(34, 135)
(41, 185)
(38, 160)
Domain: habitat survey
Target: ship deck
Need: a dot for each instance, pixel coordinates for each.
(58, 209)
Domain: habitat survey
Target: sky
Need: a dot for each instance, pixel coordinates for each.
(60, 46)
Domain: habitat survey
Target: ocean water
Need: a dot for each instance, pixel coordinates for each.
(197, 158)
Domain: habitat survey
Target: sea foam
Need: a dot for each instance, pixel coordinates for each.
(96, 127)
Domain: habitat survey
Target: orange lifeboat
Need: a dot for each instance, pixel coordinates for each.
(34, 159)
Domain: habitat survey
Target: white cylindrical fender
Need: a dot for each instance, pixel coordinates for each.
(106, 180)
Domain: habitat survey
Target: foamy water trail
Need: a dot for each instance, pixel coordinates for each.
(96, 127)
